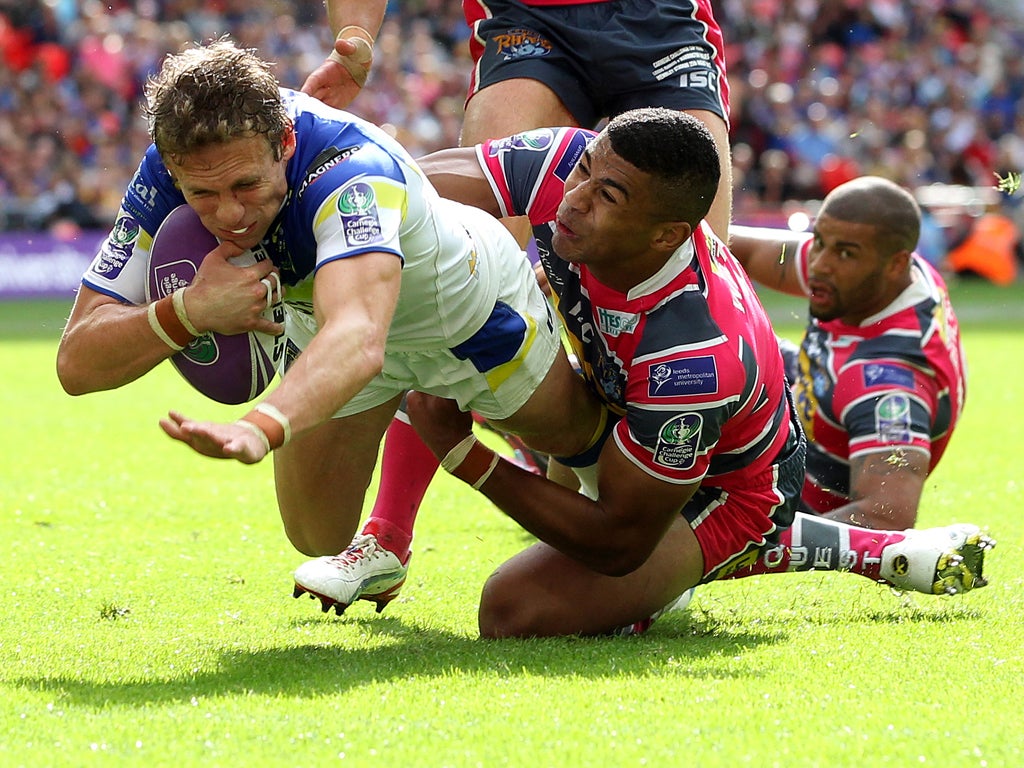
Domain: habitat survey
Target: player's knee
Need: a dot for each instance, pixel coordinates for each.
(506, 610)
(315, 539)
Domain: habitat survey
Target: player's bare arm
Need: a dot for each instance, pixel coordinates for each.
(456, 174)
(768, 256)
(614, 535)
(354, 26)
(107, 344)
(354, 300)
(886, 488)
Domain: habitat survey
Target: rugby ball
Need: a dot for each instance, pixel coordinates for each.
(229, 369)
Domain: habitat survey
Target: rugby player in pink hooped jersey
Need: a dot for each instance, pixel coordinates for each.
(534, 66)
(879, 378)
(699, 469)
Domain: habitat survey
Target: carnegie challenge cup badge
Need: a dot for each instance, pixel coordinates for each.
(357, 205)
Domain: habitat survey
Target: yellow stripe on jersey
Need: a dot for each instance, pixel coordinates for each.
(389, 196)
(500, 374)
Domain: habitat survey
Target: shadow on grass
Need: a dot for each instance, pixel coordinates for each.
(706, 642)
(384, 650)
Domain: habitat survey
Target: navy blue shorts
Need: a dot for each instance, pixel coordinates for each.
(604, 58)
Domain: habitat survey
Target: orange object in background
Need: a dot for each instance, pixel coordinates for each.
(990, 250)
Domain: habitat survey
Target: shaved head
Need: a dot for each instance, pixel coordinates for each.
(879, 202)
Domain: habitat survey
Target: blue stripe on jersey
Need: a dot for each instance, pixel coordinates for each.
(497, 342)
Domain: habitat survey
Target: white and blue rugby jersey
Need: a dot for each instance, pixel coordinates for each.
(353, 189)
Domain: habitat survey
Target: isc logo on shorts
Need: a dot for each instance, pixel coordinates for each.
(699, 79)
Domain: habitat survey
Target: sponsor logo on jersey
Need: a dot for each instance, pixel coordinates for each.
(694, 61)
(521, 44)
(678, 439)
(879, 374)
(322, 163)
(357, 205)
(615, 323)
(145, 194)
(692, 376)
(571, 155)
(892, 418)
(117, 248)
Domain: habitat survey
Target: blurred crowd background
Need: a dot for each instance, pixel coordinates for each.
(929, 93)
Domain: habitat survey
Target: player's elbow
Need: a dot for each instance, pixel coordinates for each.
(72, 377)
(371, 356)
(365, 357)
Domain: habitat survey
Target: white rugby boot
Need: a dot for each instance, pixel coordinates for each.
(937, 561)
(364, 571)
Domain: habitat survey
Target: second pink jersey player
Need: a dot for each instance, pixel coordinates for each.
(896, 382)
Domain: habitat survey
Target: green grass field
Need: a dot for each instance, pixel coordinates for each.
(147, 616)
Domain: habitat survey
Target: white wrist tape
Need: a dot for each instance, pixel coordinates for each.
(458, 454)
(256, 431)
(487, 473)
(269, 410)
(178, 300)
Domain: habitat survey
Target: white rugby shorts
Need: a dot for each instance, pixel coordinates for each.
(494, 372)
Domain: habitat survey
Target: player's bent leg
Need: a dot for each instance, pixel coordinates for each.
(720, 215)
(322, 476)
(363, 566)
(565, 429)
(542, 593)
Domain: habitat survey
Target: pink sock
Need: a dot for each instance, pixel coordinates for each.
(817, 544)
(407, 467)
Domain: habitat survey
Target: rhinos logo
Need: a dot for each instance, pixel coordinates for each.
(521, 44)
(357, 205)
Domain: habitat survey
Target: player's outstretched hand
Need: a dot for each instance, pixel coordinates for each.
(439, 422)
(340, 78)
(219, 441)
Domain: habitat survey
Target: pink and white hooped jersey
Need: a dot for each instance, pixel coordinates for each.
(688, 357)
(896, 382)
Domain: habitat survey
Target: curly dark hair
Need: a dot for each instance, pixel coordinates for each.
(676, 149)
(211, 94)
